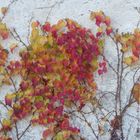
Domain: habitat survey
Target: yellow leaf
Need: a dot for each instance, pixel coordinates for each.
(1, 69)
(4, 32)
(50, 40)
(60, 24)
(34, 35)
(57, 77)
(10, 96)
(101, 43)
(6, 122)
(66, 134)
(128, 60)
(35, 24)
(59, 136)
(100, 30)
(10, 112)
(3, 26)
(94, 64)
(125, 48)
(42, 40)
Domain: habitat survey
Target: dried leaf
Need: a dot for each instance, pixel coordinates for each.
(4, 10)
(136, 92)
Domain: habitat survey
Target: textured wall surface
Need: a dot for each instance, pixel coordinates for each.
(123, 16)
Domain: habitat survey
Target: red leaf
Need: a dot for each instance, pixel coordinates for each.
(65, 124)
(46, 27)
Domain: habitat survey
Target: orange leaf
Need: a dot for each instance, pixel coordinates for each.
(4, 10)
(136, 92)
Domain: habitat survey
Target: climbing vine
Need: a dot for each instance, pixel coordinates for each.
(57, 75)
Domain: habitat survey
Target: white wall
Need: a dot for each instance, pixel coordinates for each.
(123, 16)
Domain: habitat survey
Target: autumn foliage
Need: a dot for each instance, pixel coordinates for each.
(58, 60)
(57, 72)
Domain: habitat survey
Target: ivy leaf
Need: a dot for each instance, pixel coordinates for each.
(128, 60)
(9, 98)
(47, 132)
(61, 24)
(50, 40)
(101, 130)
(34, 35)
(59, 136)
(4, 10)
(4, 32)
(136, 92)
(94, 64)
(6, 123)
(13, 47)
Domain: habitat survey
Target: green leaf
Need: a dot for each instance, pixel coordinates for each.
(47, 45)
(59, 136)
